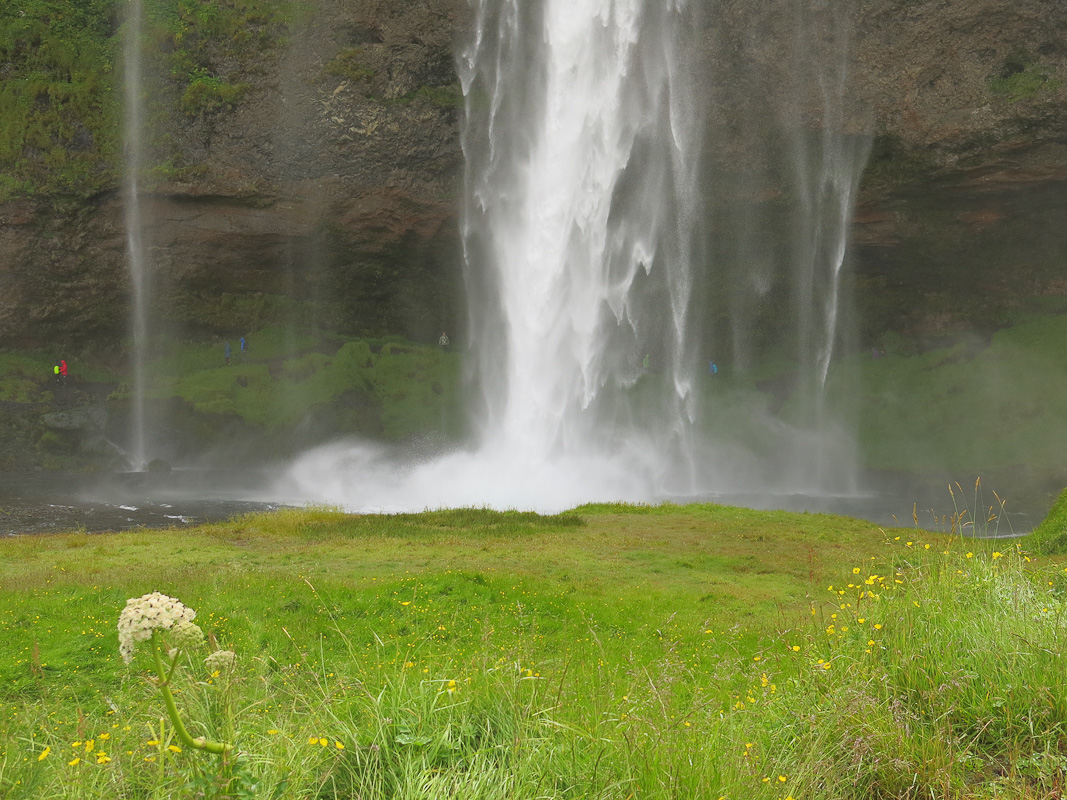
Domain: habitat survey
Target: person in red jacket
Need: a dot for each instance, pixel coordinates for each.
(63, 372)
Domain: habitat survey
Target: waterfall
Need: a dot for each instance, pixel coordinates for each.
(580, 145)
(136, 251)
(608, 267)
(826, 159)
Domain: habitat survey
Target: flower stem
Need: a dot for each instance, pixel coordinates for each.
(172, 708)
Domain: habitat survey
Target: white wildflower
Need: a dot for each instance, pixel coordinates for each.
(146, 614)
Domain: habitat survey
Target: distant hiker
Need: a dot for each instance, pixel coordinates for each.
(226, 354)
(244, 347)
(443, 341)
(60, 372)
(713, 368)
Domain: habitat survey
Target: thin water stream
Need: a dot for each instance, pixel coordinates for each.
(133, 150)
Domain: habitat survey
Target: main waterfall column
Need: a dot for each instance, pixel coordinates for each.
(580, 204)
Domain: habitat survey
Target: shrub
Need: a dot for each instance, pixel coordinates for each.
(206, 94)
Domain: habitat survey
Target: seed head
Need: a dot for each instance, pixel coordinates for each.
(222, 661)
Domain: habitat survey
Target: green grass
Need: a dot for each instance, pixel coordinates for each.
(412, 389)
(23, 378)
(27, 377)
(1050, 537)
(612, 651)
(967, 409)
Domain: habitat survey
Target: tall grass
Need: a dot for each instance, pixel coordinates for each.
(930, 668)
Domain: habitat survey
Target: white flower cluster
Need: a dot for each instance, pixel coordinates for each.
(146, 614)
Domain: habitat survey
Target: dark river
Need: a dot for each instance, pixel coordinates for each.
(35, 503)
(49, 503)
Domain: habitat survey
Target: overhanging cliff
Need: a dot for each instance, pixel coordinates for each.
(316, 164)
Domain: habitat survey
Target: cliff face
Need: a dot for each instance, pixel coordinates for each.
(331, 181)
(961, 221)
(963, 108)
(326, 181)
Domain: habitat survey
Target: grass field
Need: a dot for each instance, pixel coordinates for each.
(611, 652)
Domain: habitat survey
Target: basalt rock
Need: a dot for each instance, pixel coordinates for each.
(328, 189)
(329, 185)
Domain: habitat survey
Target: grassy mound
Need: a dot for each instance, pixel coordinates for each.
(389, 388)
(1050, 537)
(613, 651)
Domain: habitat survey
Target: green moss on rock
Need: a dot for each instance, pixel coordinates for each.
(60, 79)
(206, 94)
(1023, 85)
(349, 64)
(58, 112)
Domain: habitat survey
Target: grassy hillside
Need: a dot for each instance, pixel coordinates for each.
(972, 405)
(60, 97)
(58, 111)
(612, 651)
(995, 408)
(286, 392)
(395, 388)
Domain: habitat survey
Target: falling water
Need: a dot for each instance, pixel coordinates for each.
(580, 144)
(134, 158)
(597, 289)
(827, 160)
(580, 204)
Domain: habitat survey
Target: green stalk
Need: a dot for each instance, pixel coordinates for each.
(172, 708)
